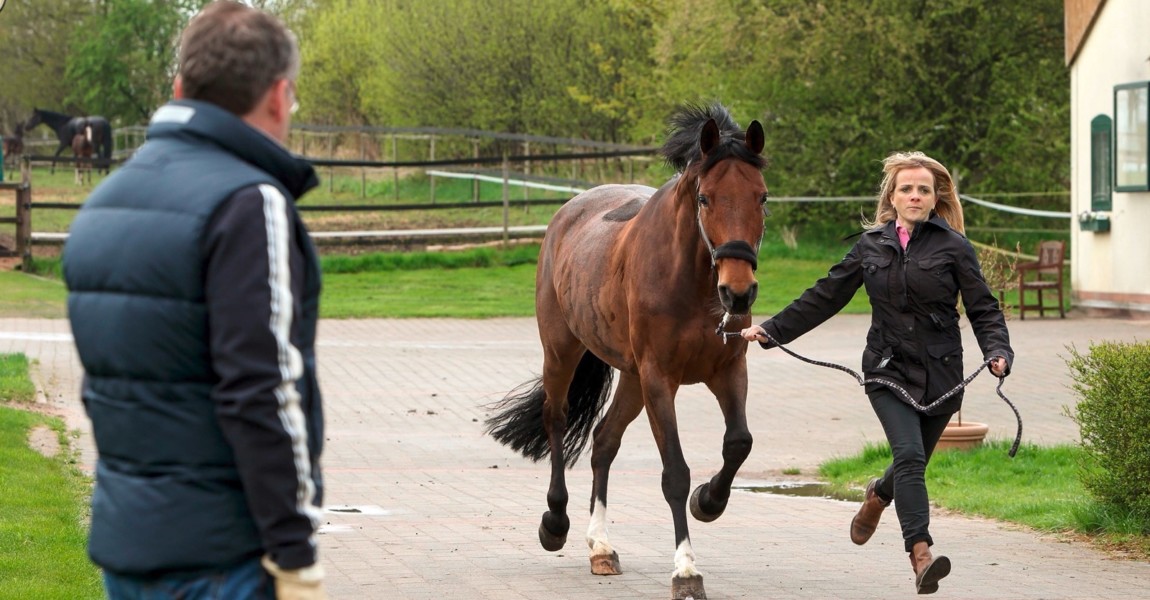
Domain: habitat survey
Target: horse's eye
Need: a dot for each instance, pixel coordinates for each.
(702, 200)
(763, 199)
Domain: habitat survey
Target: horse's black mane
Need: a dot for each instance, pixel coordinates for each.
(682, 144)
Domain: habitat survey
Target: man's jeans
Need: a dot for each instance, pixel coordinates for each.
(246, 581)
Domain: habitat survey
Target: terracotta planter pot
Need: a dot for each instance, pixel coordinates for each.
(962, 437)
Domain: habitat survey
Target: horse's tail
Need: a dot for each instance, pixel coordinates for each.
(519, 420)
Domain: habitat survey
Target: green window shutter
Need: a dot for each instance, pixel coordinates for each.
(1101, 165)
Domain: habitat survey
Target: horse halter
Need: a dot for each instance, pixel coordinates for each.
(734, 249)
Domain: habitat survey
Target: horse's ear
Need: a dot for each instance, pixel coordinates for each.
(709, 137)
(755, 137)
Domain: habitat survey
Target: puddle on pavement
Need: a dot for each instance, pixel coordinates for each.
(804, 489)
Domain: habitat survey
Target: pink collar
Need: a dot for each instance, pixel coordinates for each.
(903, 235)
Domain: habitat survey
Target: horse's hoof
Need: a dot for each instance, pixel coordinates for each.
(550, 541)
(697, 509)
(603, 564)
(688, 588)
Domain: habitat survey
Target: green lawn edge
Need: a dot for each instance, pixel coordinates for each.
(44, 507)
(1039, 488)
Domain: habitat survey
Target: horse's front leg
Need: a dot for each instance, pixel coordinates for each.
(659, 400)
(730, 388)
(56, 156)
(626, 405)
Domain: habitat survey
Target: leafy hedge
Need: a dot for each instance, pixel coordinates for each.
(1113, 413)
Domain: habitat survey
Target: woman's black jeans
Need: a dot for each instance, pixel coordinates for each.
(912, 436)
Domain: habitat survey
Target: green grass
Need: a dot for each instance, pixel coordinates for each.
(1037, 488)
(43, 507)
(344, 190)
(410, 261)
(465, 293)
(476, 283)
(30, 296)
(783, 280)
(14, 383)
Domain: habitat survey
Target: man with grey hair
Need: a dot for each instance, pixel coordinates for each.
(193, 298)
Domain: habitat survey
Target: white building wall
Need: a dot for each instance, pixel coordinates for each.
(1109, 270)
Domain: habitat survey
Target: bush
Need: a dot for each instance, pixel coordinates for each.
(1113, 416)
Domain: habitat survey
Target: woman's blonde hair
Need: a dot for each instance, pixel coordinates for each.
(945, 190)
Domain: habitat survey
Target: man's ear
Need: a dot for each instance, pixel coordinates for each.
(281, 99)
(178, 88)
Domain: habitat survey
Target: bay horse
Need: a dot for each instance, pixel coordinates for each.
(634, 279)
(82, 147)
(14, 144)
(66, 128)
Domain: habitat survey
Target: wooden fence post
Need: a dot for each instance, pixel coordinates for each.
(331, 155)
(24, 217)
(506, 199)
(395, 170)
(431, 158)
(475, 182)
(527, 174)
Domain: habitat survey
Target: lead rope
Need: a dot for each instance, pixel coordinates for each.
(901, 391)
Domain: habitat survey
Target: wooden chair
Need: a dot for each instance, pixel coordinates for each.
(1040, 276)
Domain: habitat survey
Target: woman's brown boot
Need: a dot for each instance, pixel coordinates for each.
(866, 521)
(928, 570)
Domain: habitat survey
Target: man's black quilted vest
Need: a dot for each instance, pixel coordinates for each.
(168, 492)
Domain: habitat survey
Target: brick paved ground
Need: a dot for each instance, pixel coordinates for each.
(423, 506)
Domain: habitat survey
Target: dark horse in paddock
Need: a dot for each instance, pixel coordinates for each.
(66, 128)
(636, 279)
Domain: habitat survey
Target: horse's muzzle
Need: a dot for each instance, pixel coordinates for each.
(738, 303)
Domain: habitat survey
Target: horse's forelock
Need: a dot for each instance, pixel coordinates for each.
(682, 145)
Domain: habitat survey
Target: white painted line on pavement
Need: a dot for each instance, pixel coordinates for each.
(36, 337)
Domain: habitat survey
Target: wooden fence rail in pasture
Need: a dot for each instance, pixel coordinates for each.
(474, 168)
(97, 162)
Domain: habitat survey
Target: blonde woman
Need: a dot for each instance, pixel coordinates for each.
(914, 261)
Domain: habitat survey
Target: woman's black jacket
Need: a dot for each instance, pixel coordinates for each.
(914, 338)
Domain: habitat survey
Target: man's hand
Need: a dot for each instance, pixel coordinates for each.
(296, 584)
(998, 366)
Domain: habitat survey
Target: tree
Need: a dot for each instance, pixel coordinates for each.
(977, 84)
(35, 37)
(838, 85)
(123, 68)
(557, 67)
(342, 48)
